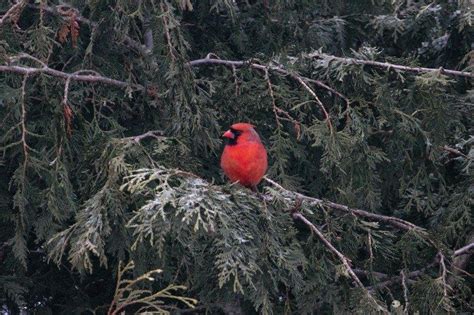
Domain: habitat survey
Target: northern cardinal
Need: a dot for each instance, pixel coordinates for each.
(244, 159)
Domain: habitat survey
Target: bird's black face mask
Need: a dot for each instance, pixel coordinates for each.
(230, 136)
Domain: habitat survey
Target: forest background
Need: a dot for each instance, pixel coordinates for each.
(111, 198)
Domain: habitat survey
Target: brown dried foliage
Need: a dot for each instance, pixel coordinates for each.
(74, 27)
(63, 33)
(70, 27)
(68, 116)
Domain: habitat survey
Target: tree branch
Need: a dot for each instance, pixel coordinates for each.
(277, 110)
(212, 60)
(405, 292)
(397, 279)
(454, 151)
(157, 134)
(465, 250)
(272, 97)
(15, 10)
(142, 50)
(461, 256)
(208, 60)
(345, 261)
(461, 259)
(166, 29)
(318, 101)
(24, 131)
(342, 258)
(393, 221)
(389, 66)
(148, 33)
(444, 273)
(95, 78)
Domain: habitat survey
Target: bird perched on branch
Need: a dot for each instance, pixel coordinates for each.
(244, 159)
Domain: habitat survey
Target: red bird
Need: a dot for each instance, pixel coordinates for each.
(244, 159)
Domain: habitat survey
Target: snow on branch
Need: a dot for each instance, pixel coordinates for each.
(389, 66)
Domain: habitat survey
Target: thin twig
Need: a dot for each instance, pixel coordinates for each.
(367, 273)
(342, 258)
(443, 274)
(236, 81)
(454, 151)
(330, 89)
(397, 279)
(12, 11)
(24, 131)
(148, 32)
(405, 292)
(389, 66)
(318, 101)
(167, 31)
(278, 111)
(371, 252)
(272, 97)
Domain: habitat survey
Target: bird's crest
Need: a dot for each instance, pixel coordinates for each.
(242, 126)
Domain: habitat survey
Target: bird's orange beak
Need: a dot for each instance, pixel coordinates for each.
(228, 134)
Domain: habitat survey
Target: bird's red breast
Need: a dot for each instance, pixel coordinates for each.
(244, 159)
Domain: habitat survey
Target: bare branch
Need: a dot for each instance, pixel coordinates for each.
(166, 28)
(212, 59)
(13, 11)
(330, 89)
(95, 78)
(454, 151)
(405, 291)
(443, 274)
(24, 131)
(342, 258)
(389, 66)
(272, 96)
(461, 259)
(148, 33)
(318, 101)
(157, 134)
(277, 110)
(397, 279)
(375, 274)
(465, 250)
(393, 221)
(236, 81)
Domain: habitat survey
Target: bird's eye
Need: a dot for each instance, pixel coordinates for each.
(236, 132)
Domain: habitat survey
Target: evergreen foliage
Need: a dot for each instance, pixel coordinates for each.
(110, 118)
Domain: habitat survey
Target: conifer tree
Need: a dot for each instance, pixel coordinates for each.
(111, 198)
